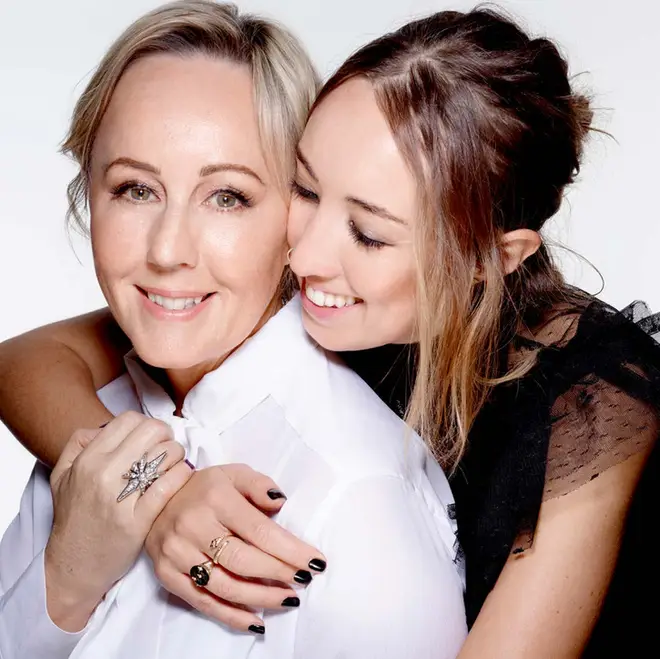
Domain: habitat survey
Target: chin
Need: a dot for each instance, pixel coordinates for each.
(334, 341)
(169, 359)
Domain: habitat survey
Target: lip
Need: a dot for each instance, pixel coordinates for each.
(160, 313)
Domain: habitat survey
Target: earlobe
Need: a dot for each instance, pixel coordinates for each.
(517, 246)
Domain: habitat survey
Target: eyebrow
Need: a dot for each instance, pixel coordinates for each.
(364, 205)
(229, 167)
(131, 162)
(207, 170)
(375, 210)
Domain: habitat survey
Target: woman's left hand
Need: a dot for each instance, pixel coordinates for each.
(101, 520)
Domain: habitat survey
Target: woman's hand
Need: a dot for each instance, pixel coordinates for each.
(218, 500)
(96, 538)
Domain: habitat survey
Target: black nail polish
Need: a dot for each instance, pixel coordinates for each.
(302, 576)
(103, 425)
(257, 629)
(190, 464)
(317, 564)
(291, 601)
(275, 494)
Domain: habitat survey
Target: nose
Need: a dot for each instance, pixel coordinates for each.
(316, 250)
(172, 244)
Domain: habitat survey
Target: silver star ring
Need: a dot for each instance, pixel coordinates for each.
(141, 475)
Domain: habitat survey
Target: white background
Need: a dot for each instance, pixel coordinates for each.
(48, 49)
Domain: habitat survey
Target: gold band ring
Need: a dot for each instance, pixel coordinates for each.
(219, 545)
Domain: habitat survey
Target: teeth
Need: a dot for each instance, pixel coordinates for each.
(175, 303)
(321, 299)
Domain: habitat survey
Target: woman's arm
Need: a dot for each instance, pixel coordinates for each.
(546, 601)
(50, 376)
(72, 541)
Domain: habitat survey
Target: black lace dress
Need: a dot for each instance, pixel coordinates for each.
(591, 401)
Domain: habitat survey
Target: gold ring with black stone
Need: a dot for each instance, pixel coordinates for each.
(201, 574)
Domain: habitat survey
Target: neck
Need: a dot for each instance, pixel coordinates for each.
(178, 382)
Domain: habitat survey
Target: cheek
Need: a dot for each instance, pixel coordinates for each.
(118, 242)
(383, 279)
(247, 255)
(299, 215)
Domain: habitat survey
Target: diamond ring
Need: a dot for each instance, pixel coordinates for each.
(141, 475)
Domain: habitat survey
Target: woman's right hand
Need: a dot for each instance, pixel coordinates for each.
(95, 538)
(215, 501)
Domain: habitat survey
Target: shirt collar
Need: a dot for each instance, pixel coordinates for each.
(268, 363)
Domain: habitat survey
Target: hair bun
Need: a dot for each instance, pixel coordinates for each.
(583, 115)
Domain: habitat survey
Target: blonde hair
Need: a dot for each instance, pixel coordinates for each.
(487, 122)
(285, 82)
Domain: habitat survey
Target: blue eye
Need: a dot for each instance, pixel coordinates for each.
(363, 240)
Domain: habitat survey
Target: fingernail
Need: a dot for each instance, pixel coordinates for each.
(317, 564)
(302, 576)
(103, 425)
(275, 494)
(190, 464)
(291, 601)
(257, 629)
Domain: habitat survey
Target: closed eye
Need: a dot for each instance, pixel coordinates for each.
(304, 193)
(362, 239)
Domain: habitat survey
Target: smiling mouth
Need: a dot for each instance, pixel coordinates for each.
(175, 303)
(322, 299)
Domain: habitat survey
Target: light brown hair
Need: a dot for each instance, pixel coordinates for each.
(488, 123)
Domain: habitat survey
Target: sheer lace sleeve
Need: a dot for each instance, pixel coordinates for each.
(608, 398)
(603, 392)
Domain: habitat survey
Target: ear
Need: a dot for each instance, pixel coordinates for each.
(517, 246)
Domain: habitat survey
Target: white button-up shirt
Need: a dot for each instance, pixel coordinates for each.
(360, 487)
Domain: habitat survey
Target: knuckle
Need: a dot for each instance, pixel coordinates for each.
(162, 573)
(236, 558)
(215, 495)
(124, 524)
(106, 480)
(234, 470)
(181, 525)
(175, 450)
(77, 436)
(157, 428)
(256, 481)
(131, 416)
(224, 588)
(169, 547)
(263, 533)
(204, 604)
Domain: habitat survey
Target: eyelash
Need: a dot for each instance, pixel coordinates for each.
(358, 237)
(364, 241)
(304, 193)
(121, 189)
(245, 200)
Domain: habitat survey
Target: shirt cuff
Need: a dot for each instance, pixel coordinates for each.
(26, 629)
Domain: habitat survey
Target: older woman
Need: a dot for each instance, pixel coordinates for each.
(178, 138)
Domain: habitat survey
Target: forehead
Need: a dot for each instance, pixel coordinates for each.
(167, 106)
(349, 144)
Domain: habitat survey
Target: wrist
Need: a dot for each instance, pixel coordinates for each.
(70, 601)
